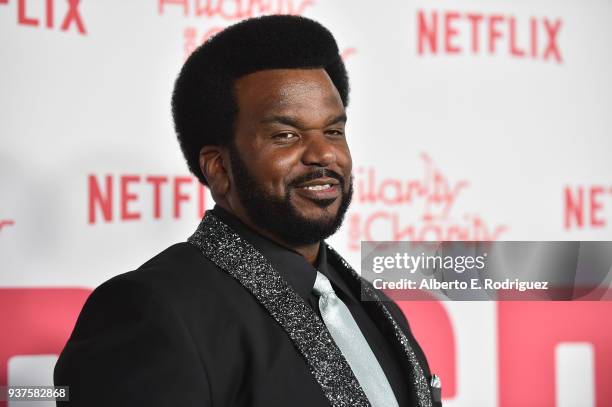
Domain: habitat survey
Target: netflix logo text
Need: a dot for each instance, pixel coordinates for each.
(130, 197)
(464, 33)
(587, 207)
(64, 15)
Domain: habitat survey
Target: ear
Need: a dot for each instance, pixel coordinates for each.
(213, 167)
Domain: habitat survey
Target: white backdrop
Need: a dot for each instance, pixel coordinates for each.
(469, 119)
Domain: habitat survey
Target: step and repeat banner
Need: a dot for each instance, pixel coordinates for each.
(469, 120)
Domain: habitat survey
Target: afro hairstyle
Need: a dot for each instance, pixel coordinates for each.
(203, 101)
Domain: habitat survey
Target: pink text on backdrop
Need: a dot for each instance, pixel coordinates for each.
(233, 10)
(162, 191)
(444, 32)
(429, 197)
(71, 19)
(585, 206)
(6, 223)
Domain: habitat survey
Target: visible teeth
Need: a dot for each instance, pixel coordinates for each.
(318, 187)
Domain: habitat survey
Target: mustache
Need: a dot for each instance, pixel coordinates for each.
(316, 174)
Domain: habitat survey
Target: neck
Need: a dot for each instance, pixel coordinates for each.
(310, 252)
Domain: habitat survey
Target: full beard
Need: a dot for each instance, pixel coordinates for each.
(278, 216)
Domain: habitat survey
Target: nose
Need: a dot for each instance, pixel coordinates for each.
(318, 151)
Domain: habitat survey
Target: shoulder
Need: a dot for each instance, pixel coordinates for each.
(180, 279)
(129, 325)
(180, 269)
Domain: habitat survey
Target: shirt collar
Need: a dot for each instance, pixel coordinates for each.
(291, 265)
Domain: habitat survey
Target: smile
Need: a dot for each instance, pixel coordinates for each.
(318, 187)
(319, 193)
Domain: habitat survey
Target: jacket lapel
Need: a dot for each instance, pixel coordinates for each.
(377, 308)
(230, 252)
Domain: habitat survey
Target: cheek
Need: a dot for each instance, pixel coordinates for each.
(345, 161)
(277, 170)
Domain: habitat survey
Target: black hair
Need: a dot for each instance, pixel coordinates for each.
(203, 102)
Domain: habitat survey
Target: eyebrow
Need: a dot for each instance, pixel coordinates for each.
(294, 122)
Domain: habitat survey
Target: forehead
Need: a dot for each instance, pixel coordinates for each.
(286, 90)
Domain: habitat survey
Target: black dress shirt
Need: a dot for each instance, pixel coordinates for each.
(301, 276)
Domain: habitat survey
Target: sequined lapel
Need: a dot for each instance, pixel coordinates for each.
(224, 247)
(421, 387)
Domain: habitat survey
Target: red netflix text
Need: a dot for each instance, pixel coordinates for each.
(134, 197)
(64, 15)
(585, 206)
(460, 33)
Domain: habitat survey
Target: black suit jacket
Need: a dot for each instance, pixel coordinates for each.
(207, 323)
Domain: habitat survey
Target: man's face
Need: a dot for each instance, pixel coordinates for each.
(290, 162)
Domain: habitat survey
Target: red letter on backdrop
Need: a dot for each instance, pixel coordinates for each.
(552, 30)
(596, 206)
(425, 33)
(494, 33)
(528, 335)
(49, 13)
(127, 196)
(73, 15)
(36, 321)
(450, 31)
(475, 20)
(178, 195)
(514, 49)
(574, 208)
(156, 181)
(21, 15)
(95, 197)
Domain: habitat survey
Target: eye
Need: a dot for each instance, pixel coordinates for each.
(335, 132)
(285, 136)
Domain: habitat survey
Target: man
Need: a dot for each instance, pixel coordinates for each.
(255, 309)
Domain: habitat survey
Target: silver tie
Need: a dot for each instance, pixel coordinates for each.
(353, 345)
